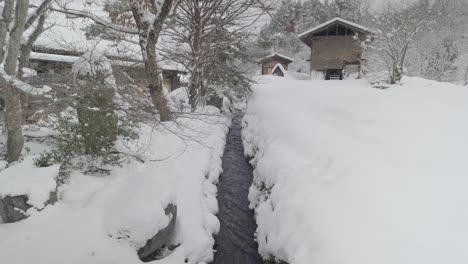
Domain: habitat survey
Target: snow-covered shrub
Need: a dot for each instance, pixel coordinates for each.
(438, 59)
(378, 79)
(317, 75)
(93, 65)
(29, 73)
(179, 99)
(88, 146)
(92, 124)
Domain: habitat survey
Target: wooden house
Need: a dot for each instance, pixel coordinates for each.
(55, 66)
(269, 62)
(335, 47)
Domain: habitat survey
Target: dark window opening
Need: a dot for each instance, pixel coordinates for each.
(336, 30)
(334, 75)
(278, 72)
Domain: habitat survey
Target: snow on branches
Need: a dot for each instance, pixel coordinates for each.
(397, 25)
(22, 86)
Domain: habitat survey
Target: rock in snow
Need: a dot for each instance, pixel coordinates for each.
(153, 248)
(14, 209)
(24, 186)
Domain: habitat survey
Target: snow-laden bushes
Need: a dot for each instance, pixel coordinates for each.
(107, 219)
(87, 129)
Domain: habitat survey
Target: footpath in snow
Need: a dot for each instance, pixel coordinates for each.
(235, 242)
(349, 174)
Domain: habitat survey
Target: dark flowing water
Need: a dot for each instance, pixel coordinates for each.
(235, 243)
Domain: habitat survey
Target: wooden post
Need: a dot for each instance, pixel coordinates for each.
(346, 37)
(311, 54)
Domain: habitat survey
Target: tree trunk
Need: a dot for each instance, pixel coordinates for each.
(196, 78)
(26, 48)
(148, 36)
(16, 35)
(155, 84)
(13, 111)
(97, 128)
(14, 123)
(41, 10)
(466, 76)
(7, 15)
(402, 62)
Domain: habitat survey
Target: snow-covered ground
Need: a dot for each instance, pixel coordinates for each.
(105, 219)
(349, 174)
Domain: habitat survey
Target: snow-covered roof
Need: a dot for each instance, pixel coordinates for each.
(171, 66)
(280, 66)
(278, 55)
(332, 21)
(165, 65)
(53, 57)
(67, 34)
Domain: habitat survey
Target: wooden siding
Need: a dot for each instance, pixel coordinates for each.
(334, 52)
(61, 72)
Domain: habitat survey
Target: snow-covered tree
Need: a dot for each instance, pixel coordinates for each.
(435, 52)
(280, 34)
(289, 18)
(209, 36)
(438, 59)
(36, 21)
(396, 27)
(15, 19)
(354, 10)
(144, 19)
(10, 42)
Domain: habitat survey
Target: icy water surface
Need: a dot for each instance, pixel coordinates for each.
(235, 243)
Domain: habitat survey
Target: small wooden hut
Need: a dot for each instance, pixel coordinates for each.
(335, 47)
(269, 63)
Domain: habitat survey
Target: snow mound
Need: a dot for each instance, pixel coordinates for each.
(28, 73)
(107, 219)
(127, 217)
(349, 174)
(25, 178)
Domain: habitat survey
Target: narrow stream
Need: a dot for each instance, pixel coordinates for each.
(235, 243)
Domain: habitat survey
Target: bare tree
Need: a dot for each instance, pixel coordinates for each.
(397, 25)
(209, 28)
(147, 20)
